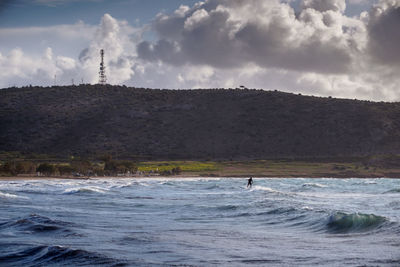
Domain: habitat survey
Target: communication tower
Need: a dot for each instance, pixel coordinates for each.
(102, 72)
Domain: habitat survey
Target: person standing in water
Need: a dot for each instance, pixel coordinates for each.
(250, 182)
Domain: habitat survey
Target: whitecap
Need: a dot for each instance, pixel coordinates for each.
(121, 185)
(89, 189)
(7, 195)
(263, 188)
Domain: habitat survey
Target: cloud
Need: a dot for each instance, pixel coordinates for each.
(68, 39)
(325, 5)
(316, 49)
(234, 33)
(116, 37)
(19, 69)
(359, 2)
(384, 34)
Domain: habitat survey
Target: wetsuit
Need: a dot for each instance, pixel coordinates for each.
(250, 182)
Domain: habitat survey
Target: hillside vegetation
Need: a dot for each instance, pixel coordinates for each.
(220, 124)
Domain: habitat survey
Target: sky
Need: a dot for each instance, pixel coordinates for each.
(339, 48)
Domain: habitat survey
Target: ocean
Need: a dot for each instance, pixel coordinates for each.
(200, 222)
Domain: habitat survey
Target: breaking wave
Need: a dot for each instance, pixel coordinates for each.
(340, 222)
(7, 195)
(84, 190)
(263, 188)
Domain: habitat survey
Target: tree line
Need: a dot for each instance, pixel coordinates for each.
(107, 166)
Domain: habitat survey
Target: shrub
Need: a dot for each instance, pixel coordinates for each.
(65, 169)
(176, 170)
(9, 167)
(25, 167)
(173, 171)
(116, 166)
(81, 166)
(128, 166)
(46, 168)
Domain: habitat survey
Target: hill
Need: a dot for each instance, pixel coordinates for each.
(238, 124)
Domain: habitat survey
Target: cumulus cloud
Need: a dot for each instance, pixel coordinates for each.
(234, 33)
(316, 49)
(115, 38)
(325, 5)
(19, 67)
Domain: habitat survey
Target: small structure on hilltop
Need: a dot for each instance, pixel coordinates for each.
(102, 72)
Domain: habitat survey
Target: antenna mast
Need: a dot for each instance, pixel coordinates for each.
(102, 72)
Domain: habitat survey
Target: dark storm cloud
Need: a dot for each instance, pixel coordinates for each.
(384, 33)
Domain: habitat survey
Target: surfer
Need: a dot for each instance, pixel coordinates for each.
(250, 182)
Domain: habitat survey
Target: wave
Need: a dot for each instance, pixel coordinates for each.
(370, 182)
(170, 183)
(143, 184)
(316, 185)
(280, 211)
(122, 186)
(8, 196)
(396, 190)
(263, 188)
(336, 223)
(316, 220)
(277, 215)
(366, 183)
(340, 222)
(83, 190)
(227, 207)
(211, 187)
(36, 224)
(139, 197)
(50, 255)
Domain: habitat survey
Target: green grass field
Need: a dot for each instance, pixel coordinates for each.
(380, 166)
(270, 168)
(186, 166)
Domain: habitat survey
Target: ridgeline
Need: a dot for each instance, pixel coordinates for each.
(219, 124)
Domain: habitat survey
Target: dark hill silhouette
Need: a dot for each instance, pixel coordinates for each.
(92, 120)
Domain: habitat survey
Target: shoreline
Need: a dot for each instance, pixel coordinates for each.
(222, 169)
(20, 178)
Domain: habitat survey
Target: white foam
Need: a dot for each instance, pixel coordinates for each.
(263, 188)
(179, 179)
(88, 189)
(7, 195)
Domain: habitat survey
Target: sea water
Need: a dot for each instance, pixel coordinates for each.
(200, 222)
